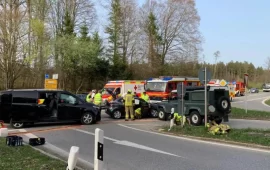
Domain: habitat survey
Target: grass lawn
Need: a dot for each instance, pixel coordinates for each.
(26, 158)
(249, 136)
(267, 102)
(251, 114)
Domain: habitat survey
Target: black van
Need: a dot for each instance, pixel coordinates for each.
(40, 105)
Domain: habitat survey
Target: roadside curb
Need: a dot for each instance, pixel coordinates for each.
(263, 102)
(252, 118)
(215, 140)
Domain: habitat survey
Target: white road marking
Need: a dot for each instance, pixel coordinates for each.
(250, 100)
(130, 144)
(200, 141)
(263, 102)
(135, 145)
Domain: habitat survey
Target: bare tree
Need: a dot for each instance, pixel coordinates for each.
(12, 56)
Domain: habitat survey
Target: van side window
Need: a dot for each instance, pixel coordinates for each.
(24, 97)
(68, 99)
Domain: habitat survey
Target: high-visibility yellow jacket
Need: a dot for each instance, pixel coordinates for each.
(97, 99)
(129, 99)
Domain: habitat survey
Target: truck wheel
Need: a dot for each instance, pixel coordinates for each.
(223, 104)
(195, 118)
(161, 114)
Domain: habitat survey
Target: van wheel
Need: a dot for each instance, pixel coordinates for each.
(87, 119)
(16, 125)
(195, 118)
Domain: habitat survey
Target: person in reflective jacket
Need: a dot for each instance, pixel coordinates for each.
(129, 101)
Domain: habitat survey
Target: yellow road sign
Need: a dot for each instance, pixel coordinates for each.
(50, 84)
(222, 83)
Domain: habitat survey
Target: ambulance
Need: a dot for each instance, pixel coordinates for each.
(120, 87)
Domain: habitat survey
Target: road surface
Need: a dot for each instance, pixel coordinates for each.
(254, 101)
(131, 146)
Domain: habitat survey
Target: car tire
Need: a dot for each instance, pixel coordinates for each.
(161, 114)
(116, 114)
(88, 118)
(223, 104)
(195, 118)
(154, 113)
(16, 125)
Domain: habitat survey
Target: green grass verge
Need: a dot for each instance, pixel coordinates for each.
(249, 136)
(267, 102)
(26, 158)
(251, 114)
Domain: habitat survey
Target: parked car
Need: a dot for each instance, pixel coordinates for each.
(254, 90)
(266, 87)
(116, 108)
(38, 105)
(219, 105)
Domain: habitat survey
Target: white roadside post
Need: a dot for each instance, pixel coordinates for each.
(205, 97)
(73, 157)
(98, 156)
(172, 119)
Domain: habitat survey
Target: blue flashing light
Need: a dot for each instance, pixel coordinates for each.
(234, 82)
(150, 79)
(167, 78)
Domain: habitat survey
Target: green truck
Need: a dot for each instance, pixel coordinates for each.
(218, 99)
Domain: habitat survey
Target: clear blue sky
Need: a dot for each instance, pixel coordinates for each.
(239, 29)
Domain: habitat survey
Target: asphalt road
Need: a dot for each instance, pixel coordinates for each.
(131, 149)
(254, 101)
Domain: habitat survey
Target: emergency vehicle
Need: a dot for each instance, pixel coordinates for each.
(230, 85)
(120, 87)
(158, 89)
(236, 88)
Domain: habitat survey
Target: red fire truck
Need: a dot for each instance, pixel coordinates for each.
(158, 89)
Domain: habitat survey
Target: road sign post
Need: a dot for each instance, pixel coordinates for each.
(205, 97)
(99, 145)
(246, 84)
(205, 77)
(182, 124)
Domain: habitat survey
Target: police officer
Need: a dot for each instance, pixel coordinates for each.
(129, 101)
(98, 98)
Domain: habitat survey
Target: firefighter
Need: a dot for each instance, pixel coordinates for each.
(89, 97)
(145, 97)
(98, 98)
(129, 101)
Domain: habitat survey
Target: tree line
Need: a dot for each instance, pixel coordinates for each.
(39, 37)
